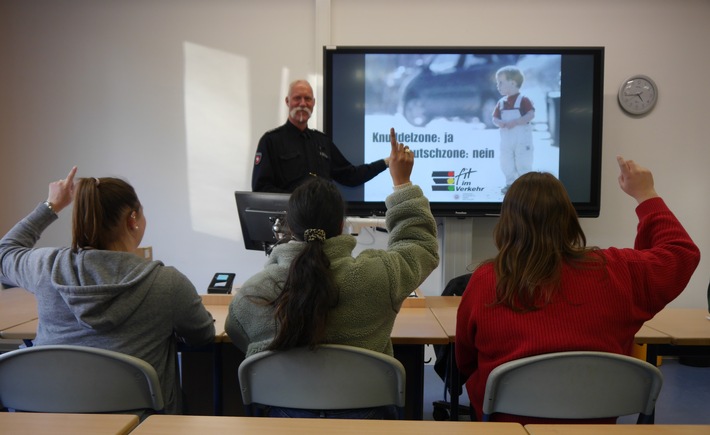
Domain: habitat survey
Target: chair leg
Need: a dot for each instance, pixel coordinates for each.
(647, 419)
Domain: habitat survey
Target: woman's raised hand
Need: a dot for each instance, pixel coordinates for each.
(401, 161)
(61, 192)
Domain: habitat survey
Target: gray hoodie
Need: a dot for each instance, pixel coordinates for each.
(107, 299)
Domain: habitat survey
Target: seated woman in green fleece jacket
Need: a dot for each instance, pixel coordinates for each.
(312, 290)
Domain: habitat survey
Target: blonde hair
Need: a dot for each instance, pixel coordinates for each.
(512, 73)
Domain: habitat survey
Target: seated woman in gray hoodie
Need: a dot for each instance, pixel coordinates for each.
(98, 293)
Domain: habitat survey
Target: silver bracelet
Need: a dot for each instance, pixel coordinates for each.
(50, 206)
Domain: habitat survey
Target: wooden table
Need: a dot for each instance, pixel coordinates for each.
(662, 335)
(688, 329)
(444, 309)
(28, 329)
(671, 326)
(219, 312)
(686, 326)
(443, 301)
(18, 315)
(215, 365)
(193, 425)
(647, 342)
(617, 429)
(648, 335)
(446, 316)
(203, 369)
(414, 327)
(24, 331)
(17, 306)
(66, 424)
(417, 326)
(24, 325)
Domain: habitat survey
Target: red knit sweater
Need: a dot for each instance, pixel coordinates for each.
(599, 309)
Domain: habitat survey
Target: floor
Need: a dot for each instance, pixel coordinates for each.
(684, 399)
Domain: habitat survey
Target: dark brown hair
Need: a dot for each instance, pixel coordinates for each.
(537, 233)
(310, 290)
(100, 206)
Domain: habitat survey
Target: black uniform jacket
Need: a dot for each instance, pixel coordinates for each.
(287, 156)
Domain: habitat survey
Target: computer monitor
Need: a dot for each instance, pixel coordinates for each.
(262, 217)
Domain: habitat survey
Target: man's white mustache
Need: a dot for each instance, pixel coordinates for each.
(301, 109)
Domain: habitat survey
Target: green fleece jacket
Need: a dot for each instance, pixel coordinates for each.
(372, 285)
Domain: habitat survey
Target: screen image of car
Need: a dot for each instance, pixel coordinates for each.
(454, 86)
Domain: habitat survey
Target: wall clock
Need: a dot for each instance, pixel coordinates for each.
(638, 94)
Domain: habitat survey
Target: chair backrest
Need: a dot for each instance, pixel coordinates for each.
(330, 377)
(62, 378)
(574, 385)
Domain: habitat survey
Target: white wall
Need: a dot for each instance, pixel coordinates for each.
(172, 95)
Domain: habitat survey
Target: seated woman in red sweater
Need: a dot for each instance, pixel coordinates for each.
(546, 291)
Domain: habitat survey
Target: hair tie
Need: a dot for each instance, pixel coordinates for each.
(311, 235)
(97, 181)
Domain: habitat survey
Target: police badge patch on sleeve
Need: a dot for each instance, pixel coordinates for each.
(257, 159)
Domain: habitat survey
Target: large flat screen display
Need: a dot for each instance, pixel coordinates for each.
(441, 102)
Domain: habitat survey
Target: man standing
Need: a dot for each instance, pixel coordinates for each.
(289, 154)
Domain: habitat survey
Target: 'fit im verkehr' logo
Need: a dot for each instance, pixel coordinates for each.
(450, 181)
